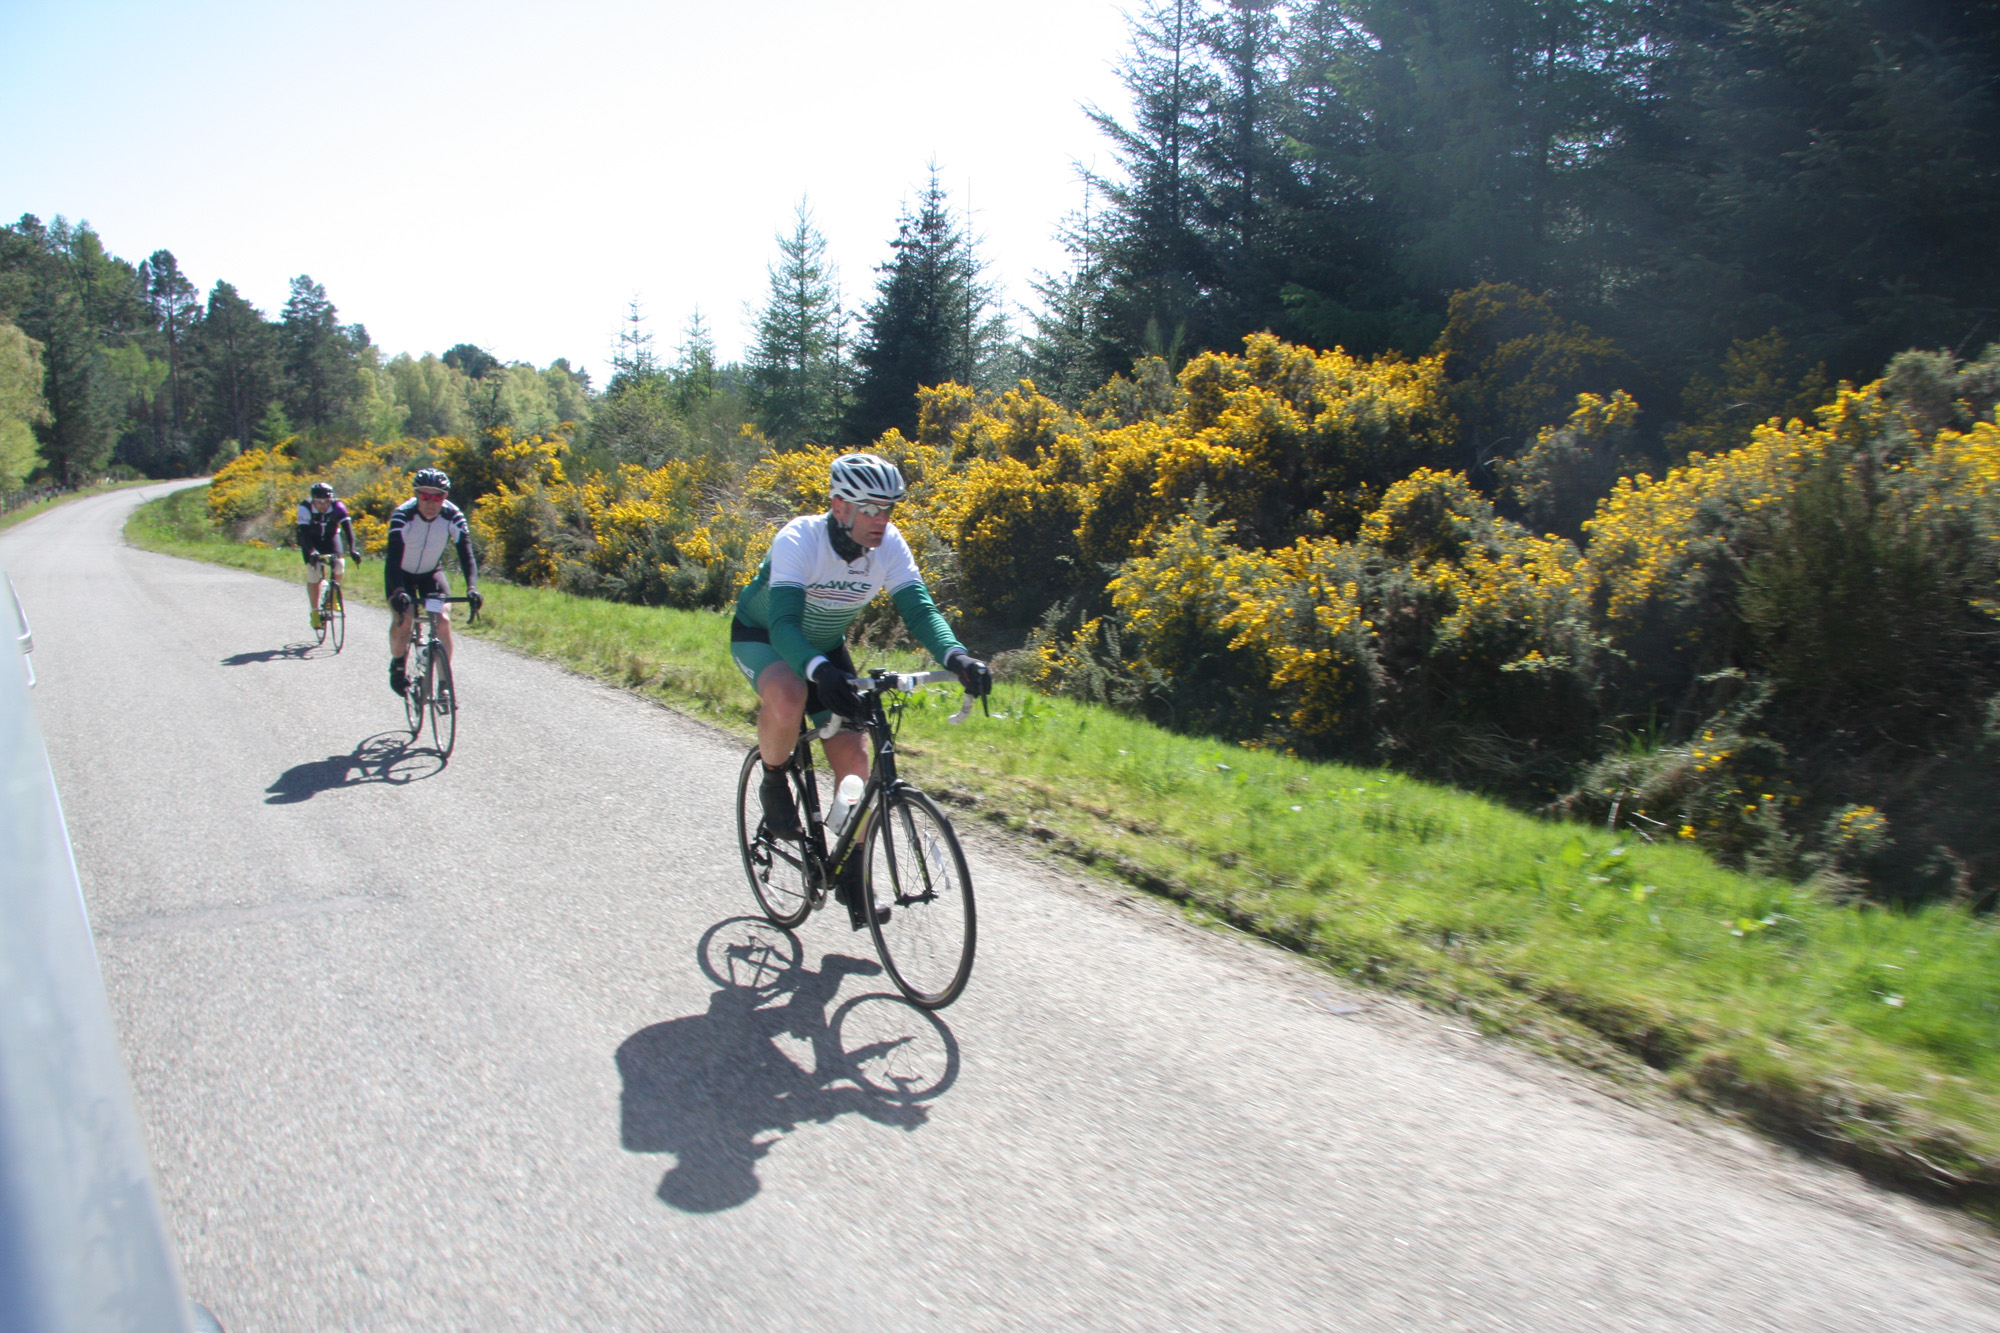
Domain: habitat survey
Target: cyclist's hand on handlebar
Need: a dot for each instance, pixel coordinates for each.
(836, 690)
(974, 674)
(399, 601)
(472, 596)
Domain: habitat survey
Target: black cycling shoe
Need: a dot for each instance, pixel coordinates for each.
(781, 816)
(398, 680)
(849, 890)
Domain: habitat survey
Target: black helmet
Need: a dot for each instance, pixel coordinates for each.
(432, 479)
(321, 491)
(865, 479)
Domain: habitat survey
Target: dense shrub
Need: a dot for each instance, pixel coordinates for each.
(1784, 651)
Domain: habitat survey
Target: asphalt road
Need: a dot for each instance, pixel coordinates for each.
(479, 1047)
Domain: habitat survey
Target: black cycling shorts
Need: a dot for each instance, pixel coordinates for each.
(420, 586)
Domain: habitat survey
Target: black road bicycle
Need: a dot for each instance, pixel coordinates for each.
(910, 859)
(431, 693)
(332, 607)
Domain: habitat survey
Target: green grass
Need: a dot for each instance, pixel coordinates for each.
(1870, 1036)
(26, 512)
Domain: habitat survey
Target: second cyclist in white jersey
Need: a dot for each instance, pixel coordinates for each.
(421, 529)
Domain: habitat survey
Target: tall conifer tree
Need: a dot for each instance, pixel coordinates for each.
(933, 320)
(797, 365)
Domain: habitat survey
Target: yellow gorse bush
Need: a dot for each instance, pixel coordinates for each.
(1668, 538)
(254, 484)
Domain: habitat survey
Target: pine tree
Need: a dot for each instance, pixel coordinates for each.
(1156, 298)
(636, 420)
(235, 367)
(694, 367)
(319, 355)
(175, 305)
(76, 300)
(933, 320)
(635, 362)
(797, 365)
(1249, 182)
(1069, 353)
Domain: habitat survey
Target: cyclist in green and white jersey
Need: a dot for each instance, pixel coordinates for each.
(789, 634)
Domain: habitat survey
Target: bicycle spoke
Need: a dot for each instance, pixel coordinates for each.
(780, 875)
(444, 704)
(917, 870)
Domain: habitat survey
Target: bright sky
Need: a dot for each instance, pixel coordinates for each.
(512, 174)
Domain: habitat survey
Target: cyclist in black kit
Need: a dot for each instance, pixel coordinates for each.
(326, 533)
(420, 530)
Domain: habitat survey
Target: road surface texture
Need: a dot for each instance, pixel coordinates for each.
(494, 1045)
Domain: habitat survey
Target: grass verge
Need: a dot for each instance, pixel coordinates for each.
(1867, 1036)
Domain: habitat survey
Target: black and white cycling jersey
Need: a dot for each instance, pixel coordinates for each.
(329, 533)
(417, 544)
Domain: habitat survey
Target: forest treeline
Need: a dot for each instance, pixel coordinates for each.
(1679, 177)
(1786, 652)
(1521, 394)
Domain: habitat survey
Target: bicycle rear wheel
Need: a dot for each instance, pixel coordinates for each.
(780, 873)
(334, 617)
(915, 868)
(444, 703)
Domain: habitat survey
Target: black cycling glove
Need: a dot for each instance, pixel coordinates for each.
(836, 689)
(399, 601)
(473, 598)
(974, 674)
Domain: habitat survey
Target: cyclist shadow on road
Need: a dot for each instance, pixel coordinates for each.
(292, 652)
(720, 1089)
(384, 757)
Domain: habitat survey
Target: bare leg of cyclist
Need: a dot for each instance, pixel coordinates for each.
(399, 635)
(399, 646)
(783, 696)
(846, 754)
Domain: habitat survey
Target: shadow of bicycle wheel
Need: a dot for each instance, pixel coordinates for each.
(720, 1089)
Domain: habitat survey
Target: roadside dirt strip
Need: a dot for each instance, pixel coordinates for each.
(481, 1046)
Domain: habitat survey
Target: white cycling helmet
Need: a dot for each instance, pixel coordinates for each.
(865, 479)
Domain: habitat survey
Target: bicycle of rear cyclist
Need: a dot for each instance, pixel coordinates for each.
(332, 606)
(911, 861)
(431, 694)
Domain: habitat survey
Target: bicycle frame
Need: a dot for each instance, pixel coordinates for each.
(423, 623)
(882, 778)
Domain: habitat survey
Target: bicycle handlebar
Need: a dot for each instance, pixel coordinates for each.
(903, 682)
(421, 605)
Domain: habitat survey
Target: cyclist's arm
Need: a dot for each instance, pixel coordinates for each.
(925, 622)
(347, 527)
(466, 561)
(305, 537)
(392, 561)
(787, 603)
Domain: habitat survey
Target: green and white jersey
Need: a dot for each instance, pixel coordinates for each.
(806, 596)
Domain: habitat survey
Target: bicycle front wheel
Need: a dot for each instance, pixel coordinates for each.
(444, 704)
(779, 872)
(414, 696)
(916, 870)
(335, 617)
